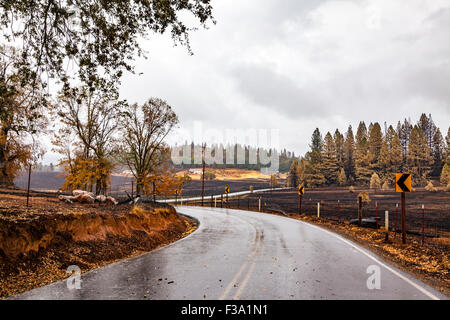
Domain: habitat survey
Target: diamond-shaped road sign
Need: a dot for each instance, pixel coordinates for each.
(403, 182)
(301, 190)
(227, 190)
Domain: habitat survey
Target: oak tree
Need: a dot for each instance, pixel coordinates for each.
(143, 130)
(22, 117)
(93, 41)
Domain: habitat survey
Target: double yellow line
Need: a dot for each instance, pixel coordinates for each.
(252, 258)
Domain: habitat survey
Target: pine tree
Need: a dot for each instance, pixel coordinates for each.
(301, 171)
(349, 157)
(370, 127)
(342, 178)
(363, 158)
(397, 162)
(316, 141)
(375, 140)
(447, 148)
(445, 175)
(293, 178)
(273, 181)
(384, 161)
(419, 156)
(404, 131)
(340, 148)
(391, 155)
(428, 127)
(313, 175)
(438, 153)
(361, 136)
(375, 181)
(330, 167)
(363, 171)
(395, 151)
(375, 144)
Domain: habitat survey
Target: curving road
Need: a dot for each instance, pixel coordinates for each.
(245, 255)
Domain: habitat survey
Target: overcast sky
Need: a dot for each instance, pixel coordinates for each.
(296, 65)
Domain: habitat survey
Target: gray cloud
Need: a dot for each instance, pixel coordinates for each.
(274, 91)
(296, 65)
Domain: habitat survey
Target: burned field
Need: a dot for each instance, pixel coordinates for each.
(38, 243)
(340, 204)
(213, 187)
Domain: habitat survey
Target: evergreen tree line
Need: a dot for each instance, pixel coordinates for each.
(285, 157)
(372, 155)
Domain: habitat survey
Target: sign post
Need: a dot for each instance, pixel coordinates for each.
(386, 225)
(203, 171)
(360, 211)
(423, 224)
(376, 213)
(28, 186)
(339, 211)
(227, 191)
(403, 185)
(396, 218)
(301, 192)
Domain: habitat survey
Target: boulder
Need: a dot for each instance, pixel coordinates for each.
(100, 198)
(66, 199)
(85, 198)
(111, 200)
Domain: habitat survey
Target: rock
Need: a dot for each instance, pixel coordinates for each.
(85, 198)
(78, 192)
(66, 199)
(100, 198)
(112, 200)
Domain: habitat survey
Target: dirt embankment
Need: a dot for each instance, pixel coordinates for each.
(38, 244)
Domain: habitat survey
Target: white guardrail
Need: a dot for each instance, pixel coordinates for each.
(218, 196)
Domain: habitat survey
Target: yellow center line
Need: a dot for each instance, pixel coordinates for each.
(250, 272)
(244, 265)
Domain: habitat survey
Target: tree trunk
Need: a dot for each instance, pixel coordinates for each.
(139, 186)
(104, 186)
(5, 179)
(98, 187)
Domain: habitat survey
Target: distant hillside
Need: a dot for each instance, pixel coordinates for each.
(54, 181)
(41, 180)
(227, 174)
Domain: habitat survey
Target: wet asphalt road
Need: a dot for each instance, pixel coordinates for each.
(245, 255)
